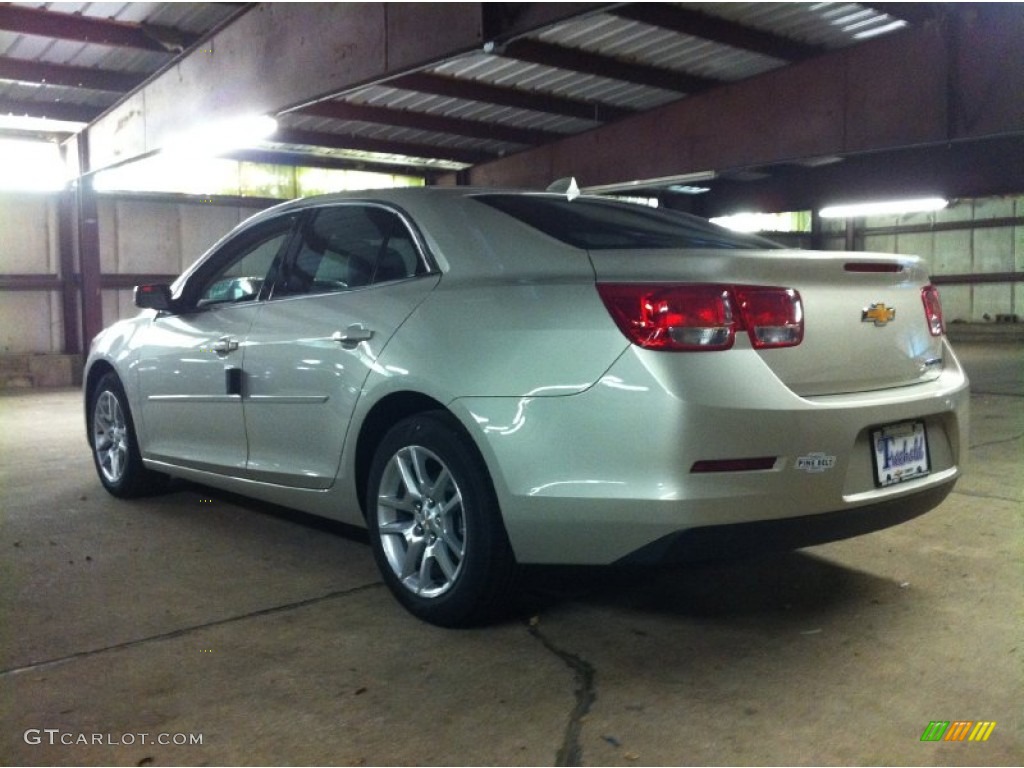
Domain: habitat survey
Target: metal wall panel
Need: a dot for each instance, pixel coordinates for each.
(28, 232)
(30, 321)
(148, 238)
(200, 227)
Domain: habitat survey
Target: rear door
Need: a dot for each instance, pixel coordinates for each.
(190, 363)
(357, 273)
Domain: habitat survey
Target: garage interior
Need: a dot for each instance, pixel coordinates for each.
(269, 633)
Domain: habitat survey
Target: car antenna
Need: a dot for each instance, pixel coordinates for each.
(566, 185)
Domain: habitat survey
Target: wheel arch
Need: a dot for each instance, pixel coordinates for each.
(385, 414)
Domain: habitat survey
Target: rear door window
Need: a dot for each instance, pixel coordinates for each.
(351, 246)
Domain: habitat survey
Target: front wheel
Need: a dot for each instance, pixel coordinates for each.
(434, 523)
(115, 450)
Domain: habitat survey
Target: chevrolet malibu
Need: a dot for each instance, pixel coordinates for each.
(489, 378)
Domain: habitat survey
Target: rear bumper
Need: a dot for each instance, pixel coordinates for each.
(716, 543)
(607, 475)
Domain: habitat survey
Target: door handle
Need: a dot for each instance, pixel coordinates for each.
(352, 336)
(225, 345)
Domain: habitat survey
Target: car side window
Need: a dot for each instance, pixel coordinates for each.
(350, 246)
(246, 265)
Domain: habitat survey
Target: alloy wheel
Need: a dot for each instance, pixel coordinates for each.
(422, 521)
(110, 437)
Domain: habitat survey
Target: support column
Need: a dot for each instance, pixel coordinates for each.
(69, 287)
(88, 247)
(851, 235)
(817, 235)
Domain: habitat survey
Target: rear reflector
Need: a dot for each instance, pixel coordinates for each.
(704, 317)
(734, 465)
(933, 310)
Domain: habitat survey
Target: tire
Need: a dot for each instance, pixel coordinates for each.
(115, 449)
(435, 526)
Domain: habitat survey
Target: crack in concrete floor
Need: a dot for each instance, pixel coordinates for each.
(584, 674)
(36, 665)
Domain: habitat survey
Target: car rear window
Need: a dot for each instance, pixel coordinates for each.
(595, 224)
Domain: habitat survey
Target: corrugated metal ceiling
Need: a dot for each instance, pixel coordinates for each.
(632, 57)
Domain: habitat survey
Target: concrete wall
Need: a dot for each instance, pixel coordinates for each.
(136, 237)
(146, 237)
(972, 250)
(30, 321)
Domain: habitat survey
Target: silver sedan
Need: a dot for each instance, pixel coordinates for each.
(486, 378)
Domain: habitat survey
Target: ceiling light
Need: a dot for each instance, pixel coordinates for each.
(891, 207)
(223, 136)
(40, 124)
(688, 189)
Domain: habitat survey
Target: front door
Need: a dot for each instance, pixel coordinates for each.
(190, 362)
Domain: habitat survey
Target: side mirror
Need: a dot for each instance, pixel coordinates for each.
(154, 296)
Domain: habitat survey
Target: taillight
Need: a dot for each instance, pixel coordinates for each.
(774, 317)
(704, 317)
(672, 317)
(933, 310)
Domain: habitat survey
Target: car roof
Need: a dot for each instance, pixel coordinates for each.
(398, 195)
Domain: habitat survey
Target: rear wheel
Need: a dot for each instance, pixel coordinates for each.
(115, 450)
(434, 523)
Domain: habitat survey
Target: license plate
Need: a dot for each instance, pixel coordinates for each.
(900, 453)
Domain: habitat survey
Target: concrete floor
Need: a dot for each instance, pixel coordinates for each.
(270, 637)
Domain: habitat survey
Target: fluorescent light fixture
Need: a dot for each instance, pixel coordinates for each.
(890, 208)
(41, 124)
(31, 166)
(218, 138)
(661, 181)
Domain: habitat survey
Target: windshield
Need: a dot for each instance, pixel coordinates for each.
(595, 224)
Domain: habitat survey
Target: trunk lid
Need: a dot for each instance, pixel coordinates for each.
(864, 328)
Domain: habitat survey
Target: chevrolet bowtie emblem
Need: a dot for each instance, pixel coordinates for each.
(879, 314)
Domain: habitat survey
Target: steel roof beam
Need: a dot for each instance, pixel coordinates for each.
(343, 110)
(578, 60)
(717, 30)
(300, 159)
(384, 146)
(897, 98)
(535, 101)
(85, 29)
(346, 46)
(77, 113)
(24, 71)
